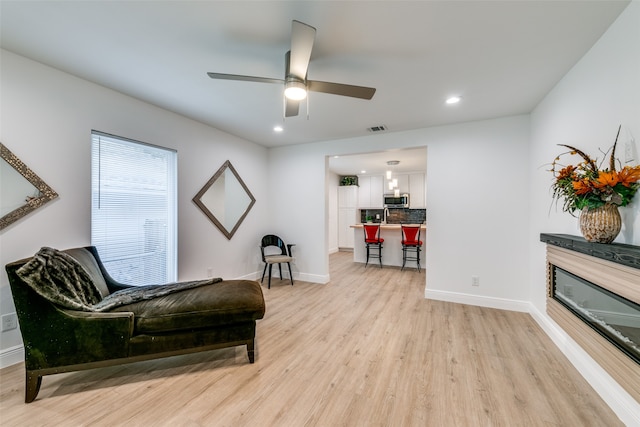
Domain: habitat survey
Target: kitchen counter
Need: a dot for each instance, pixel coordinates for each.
(391, 248)
(389, 226)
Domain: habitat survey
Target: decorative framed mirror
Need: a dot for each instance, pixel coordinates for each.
(225, 199)
(21, 190)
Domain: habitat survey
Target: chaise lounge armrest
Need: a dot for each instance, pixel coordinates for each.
(91, 336)
(71, 337)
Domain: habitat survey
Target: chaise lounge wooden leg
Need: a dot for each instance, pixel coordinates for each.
(33, 382)
(251, 351)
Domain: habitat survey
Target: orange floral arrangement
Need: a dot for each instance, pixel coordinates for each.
(586, 185)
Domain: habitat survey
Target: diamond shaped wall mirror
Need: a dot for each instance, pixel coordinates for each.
(225, 199)
(21, 190)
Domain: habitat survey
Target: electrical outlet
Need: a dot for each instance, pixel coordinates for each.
(475, 281)
(9, 321)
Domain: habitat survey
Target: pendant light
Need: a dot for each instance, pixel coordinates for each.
(392, 182)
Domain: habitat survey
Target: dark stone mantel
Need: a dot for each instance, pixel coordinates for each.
(628, 255)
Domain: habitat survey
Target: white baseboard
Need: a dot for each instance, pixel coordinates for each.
(313, 278)
(11, 356)
(482, 301)
(305, 277)
(620, 402)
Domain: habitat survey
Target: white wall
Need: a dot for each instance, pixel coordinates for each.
(47, 118)
(477, 213)
(585, 109)
(333, 181)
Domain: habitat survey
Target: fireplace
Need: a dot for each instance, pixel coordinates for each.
(615, 318)
(593, 293)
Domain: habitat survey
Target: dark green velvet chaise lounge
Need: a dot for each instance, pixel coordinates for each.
(209, 315)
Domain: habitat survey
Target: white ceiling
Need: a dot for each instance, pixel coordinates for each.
(411, 160)
(502, 57)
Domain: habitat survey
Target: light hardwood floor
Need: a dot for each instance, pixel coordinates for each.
(365, 349)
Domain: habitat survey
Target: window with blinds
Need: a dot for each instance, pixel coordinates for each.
(134, 209)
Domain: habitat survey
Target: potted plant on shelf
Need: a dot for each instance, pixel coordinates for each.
(349, 180)
(595, 191)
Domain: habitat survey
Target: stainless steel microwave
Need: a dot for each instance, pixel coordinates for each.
(393, 201)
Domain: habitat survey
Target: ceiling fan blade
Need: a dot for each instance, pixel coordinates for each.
(341, 89)
(244, 78)
(291, 107)
(302, 36)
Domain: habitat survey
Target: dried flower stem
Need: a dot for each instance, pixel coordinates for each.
(612, 159)
(582, 154)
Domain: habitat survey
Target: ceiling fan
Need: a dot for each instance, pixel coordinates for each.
(295, 80)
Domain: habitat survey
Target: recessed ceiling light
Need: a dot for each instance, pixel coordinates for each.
(363, 171)
(453, 100)
(278, 128)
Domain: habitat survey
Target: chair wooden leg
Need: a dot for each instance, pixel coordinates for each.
(380, 254)
(32, 383)
(251, 351)
(290, 273)
(263, 272)
(280, 268)
(270, 267)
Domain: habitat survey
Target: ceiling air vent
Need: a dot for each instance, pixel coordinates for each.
(377, 128)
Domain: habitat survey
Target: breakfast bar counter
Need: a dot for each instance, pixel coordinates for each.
(391, 248)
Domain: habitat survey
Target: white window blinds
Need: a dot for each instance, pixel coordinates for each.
(133, 209)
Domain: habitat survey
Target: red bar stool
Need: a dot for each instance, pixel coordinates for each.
(411, 244)
(373, 241)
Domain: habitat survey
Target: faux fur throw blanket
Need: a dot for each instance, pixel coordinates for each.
(144, 293)
(59, 278)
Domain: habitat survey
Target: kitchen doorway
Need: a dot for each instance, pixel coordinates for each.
(370, 169)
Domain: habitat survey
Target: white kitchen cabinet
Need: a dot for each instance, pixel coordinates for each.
(370, 191)
(347, 203)
(364, 191)
(377, 191)
(416, 191)
(348, 196)
(403, 183)
(346, 218)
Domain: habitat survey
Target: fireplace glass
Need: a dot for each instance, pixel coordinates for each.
(612, 316)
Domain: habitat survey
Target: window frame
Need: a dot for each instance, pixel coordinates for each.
(146, 227)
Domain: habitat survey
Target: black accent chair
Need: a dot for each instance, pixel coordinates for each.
(285, 255)
(373, 241)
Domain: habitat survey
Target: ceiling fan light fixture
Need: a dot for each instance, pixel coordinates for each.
(295, 90)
